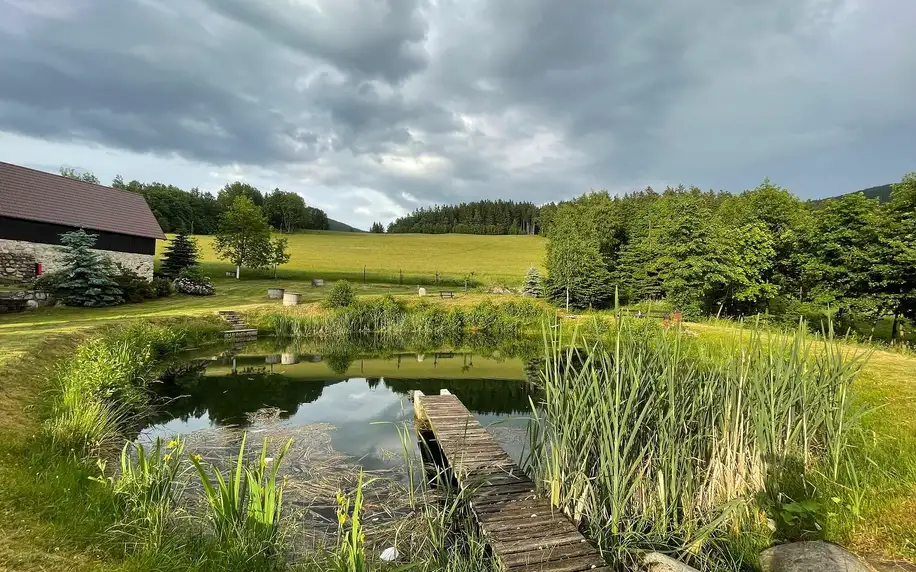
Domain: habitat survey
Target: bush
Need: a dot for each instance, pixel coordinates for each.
(86, 278)
(162, 288)
(134, 288)
(534, 284)
(341, 295)
(193, 282)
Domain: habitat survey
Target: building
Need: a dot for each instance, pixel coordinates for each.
(37, 207)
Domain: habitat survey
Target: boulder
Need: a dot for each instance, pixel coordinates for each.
(658, 562)
(422, 291)
(291, 299)
(31, 304)
(317, 282)
(810, 556)
(275, 293)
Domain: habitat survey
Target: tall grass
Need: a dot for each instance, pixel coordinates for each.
(652, 439)
(392, 319)
(245, 505)
(104, 383)
(145, 490)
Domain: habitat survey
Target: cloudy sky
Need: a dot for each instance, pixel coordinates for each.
(370, 108)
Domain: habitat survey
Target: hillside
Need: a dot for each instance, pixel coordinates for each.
(332, 255)
(881, 192)
(337, 226)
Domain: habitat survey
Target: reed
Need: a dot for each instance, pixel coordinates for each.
(245, 505)
(654, 440)
(145, 491)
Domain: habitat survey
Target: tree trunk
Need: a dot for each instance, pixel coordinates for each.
(567, 299)
(894, 326)
(238, 271)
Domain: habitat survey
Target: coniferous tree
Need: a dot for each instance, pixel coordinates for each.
(86, 278)
(377, 228)
(534, 284)
(181, 253)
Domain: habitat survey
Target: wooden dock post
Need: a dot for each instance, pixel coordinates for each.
(524, 531)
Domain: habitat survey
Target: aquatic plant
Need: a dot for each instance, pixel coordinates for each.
(654, 440)
(145, 490)
(246, 505)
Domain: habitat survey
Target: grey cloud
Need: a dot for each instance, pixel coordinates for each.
(379, 38)
(522, 99)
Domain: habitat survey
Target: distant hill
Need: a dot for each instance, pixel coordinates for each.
(338, 226)
(881, 192)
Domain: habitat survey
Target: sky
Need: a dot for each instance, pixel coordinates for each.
(372, 108)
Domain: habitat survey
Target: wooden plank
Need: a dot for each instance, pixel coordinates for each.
(524, 531)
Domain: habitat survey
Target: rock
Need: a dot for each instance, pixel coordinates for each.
(422, 291)
(810, 556)
(658, 562)
(31, 304)
(317, 282)
(275, 293)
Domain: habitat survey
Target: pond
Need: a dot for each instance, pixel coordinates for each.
(350, 402)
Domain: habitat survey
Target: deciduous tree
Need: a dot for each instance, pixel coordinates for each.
(244, 236)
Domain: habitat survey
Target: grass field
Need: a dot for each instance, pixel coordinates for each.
(334, 255)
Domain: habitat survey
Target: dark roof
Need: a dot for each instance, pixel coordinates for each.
(35, 195)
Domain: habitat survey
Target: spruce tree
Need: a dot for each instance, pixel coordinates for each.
(533, 283)
(181, 253)
(86, 278)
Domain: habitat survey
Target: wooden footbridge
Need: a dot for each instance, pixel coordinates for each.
(524, 532)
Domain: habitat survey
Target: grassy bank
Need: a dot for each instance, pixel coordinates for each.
(423, 324)
(716, 446)
(70, 503)
(388, 257)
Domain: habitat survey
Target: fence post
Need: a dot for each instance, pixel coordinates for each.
(437, 277)
(401, 277)
(364, 273)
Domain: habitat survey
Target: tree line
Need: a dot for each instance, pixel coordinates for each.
(199, 212)
(479, 217)
(763, 250)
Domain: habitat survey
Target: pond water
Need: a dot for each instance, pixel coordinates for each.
(353, 400)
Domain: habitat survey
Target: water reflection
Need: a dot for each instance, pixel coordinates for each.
(348, 391)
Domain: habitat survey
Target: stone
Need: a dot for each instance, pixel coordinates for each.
(317, 282)
(31, 304)
(275, 293)
(291, 299)
(658, 562)
(422, 291)
(810, 556)
(288, 358)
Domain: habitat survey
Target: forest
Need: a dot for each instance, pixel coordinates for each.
(760, 251)
(479, 217)
(198, 212)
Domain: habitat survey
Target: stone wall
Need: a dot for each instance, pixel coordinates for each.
(18, 258)
(11, 302)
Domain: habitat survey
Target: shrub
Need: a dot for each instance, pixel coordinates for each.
(193, 282)
(134, 288)
(341, 295)
(162, 287)
(86, 278)
(534, 287)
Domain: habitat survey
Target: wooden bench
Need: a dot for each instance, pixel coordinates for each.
(446, 294)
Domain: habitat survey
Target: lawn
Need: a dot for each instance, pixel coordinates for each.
(333, 255)
(18, 331)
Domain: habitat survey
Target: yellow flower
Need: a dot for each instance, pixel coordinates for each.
(167, 456)
(196, 457)
(341, 518)
(172, 444)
